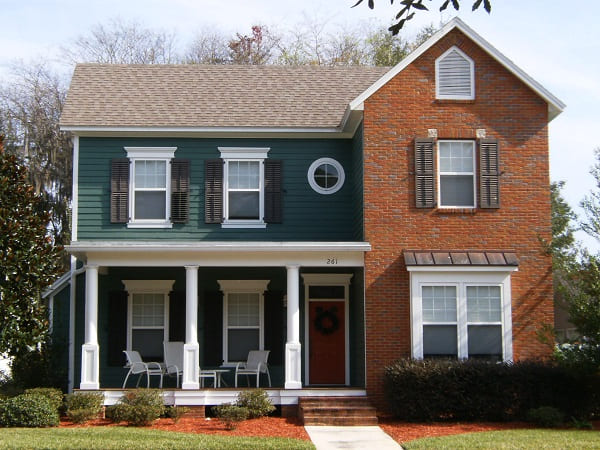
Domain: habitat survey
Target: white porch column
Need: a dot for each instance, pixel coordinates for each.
(191, 349)
(293, 354)
(90, 366)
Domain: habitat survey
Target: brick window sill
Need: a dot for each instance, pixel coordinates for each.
(456, 211)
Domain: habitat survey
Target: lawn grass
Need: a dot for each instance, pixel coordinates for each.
(512, 439)
(134, 438)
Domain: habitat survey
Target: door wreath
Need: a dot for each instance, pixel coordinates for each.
(326, 320)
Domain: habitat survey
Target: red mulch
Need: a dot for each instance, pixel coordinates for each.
(405, 431)
(262, 427)
(292, 428)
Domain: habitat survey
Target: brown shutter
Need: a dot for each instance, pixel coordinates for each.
(213, 191)
(424, 173)
(489, 174)
(213, 328)
(119, 190)
(177, 316)
(180, 191)
(273, 191)
(117, 332)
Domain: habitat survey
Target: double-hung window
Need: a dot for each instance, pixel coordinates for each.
(149, 188)
(243, 318)
(461, 314)
(147, 316)
(456, 174)
(243, 189)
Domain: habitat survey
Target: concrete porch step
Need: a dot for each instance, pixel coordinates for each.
(349, 411)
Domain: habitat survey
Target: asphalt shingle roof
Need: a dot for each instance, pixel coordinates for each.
(115, 95)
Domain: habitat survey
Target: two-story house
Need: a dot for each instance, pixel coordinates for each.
(340, 217)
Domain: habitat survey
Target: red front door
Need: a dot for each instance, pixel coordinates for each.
(327, 342)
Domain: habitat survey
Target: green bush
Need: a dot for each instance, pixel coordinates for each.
(28, 410)
(176, 412)
(84, 406)
(117, 413)
(231, 414)
(41, 367)
(138, 407)
(55, 395)
(429, 390)
(546, 416)
(256, 401)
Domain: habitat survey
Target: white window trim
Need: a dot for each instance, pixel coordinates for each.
(311, 176)
(147, 287)
(258, 154)
(150, 154)
(439, 96)
(460, 277)
(243, 287)
(440, 173)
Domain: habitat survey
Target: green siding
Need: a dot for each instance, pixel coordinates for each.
(357, 185)
(307, 215)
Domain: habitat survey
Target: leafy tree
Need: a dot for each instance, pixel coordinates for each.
(410, 7)
(386, 49)
(28, 259)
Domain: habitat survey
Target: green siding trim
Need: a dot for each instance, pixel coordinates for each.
(307, 215)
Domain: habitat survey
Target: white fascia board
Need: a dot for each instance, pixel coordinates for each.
(469, 269)
(221, 254)
(325, 132)
(555, 106)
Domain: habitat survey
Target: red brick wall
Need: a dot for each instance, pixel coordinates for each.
(404, 109)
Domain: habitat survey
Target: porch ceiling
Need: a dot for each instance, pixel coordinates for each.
(220, 253)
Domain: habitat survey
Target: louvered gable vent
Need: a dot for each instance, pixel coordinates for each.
(455, 76)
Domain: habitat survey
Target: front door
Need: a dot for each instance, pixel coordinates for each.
(327, 342)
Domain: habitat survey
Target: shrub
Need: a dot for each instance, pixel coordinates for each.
(84, 406)
(256, 401)
(28, 410)
(176, 412)
(138, 407)
(231, 414)
(477, 390)
(545, 416)
(55, 395)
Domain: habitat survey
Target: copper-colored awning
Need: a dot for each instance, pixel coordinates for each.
(460, 258)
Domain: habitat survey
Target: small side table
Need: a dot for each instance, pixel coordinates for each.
(220, 379)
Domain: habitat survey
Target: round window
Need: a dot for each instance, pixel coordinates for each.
(326, 176)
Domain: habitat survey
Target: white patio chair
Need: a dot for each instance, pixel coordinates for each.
(255, 365)
(138, 367)
(174, 363)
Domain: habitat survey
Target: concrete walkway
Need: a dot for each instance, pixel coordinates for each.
(328, 438)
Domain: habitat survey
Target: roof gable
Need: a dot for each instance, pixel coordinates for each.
(555, 106)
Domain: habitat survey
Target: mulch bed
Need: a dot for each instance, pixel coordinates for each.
(262, 427)
(292, 428)
(405, 431)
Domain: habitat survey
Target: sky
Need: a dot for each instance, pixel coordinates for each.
(556, 44)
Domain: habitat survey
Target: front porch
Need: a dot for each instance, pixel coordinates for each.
(208, 294)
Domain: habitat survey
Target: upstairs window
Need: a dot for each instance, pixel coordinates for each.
(149, 188)
(454, 76)
(326, 176)
(456, 162)
(243, 189)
